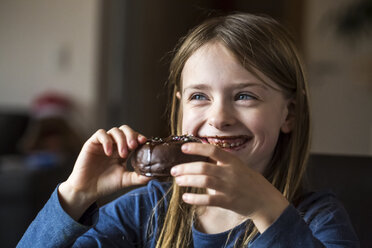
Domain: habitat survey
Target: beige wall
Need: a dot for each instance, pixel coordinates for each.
(48, 44)
(340, 82)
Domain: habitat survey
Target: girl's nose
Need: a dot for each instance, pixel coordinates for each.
(221, 116)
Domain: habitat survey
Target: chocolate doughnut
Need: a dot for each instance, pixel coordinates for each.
(157, 156)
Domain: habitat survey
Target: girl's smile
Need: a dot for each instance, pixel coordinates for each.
(232, 143)
(228, 106)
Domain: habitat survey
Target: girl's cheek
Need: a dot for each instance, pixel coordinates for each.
(190, 121)
(186, 125)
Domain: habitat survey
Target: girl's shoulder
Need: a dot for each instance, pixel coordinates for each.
(310, 199)
(322, 206)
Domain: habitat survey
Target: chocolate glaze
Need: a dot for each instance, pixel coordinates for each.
(157, 156)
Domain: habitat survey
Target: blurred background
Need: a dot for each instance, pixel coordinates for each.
(70, 67)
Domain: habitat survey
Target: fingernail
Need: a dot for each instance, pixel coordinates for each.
(124, 152)
(185, 197)
(108, 150)
(185, 147)
(132, 143)
(173, 171)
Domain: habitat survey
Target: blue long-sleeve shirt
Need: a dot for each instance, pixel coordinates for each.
(318, 221)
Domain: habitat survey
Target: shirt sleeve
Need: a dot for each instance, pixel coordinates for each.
(104, 227)
(325, 223)
(123, 222)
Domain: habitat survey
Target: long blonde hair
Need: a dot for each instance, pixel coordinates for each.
(260, 43)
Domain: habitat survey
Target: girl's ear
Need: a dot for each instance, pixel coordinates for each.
(178, 95)
(289, 121)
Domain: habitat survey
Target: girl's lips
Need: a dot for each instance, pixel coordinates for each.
(227, 142)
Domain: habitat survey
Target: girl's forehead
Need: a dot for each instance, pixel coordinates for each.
(212, 48)
(214, 62)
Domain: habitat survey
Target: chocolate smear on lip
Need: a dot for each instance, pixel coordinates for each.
(157, 156)
(227, 142)
(226, 138)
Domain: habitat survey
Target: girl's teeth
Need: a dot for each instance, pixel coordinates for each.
(225, 145)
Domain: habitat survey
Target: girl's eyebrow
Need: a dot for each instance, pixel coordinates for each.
(233, 86)
(249, 84)
(197, 87)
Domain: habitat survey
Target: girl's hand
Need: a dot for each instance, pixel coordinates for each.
(100, 169)
(230, 184)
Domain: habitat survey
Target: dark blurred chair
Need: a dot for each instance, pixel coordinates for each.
(12, 127)
(350, 178)
(22, 191)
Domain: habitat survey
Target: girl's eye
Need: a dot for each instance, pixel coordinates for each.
(198, 97)
(244, 96)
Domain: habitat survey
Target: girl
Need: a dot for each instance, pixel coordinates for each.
(237, 83)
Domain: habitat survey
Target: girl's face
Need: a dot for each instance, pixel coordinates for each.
(228, 106)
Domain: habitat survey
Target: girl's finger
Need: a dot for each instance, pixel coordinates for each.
(120, 141)
(101, 137)
(195, 168)
(208, 150)
(132, 178)
(131, 136)
(141, 139)
(200, 181)
(203, 199)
